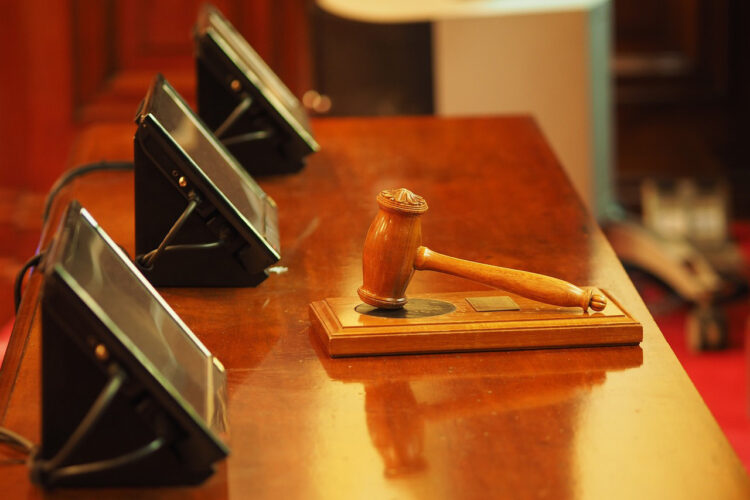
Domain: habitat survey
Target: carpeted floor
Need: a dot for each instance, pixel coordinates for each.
(721, 377)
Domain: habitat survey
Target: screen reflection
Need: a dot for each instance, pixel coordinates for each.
(216, 165)
(257, 71)
(138, 316)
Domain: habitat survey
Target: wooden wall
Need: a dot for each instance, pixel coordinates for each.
(67, 63)
(681, 70)
(35, 107)
(671, 50)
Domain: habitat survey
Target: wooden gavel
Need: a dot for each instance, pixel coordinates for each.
(393, 250)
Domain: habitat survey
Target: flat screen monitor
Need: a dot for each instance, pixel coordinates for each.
(173, 140)
(230, 71)
(100, 312)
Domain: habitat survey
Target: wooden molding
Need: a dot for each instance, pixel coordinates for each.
(346, 332)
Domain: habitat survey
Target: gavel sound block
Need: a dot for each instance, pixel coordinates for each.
(541, 311)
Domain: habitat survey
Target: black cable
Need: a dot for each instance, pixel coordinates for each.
(77, 172)
(61, 182)
(18, 286)
(250, 136)
(186, 246)
(109, 463)
(50, 471)
(238, 111)
(11, 438)
(103, 400)
(147, 260)
(52, 467)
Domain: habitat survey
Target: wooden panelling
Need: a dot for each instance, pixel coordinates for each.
(13, 137)
(682, 77)
(81, 61)
(35, 90)
(151, 37)
(92, 58)
(156, 35)
(674, 50)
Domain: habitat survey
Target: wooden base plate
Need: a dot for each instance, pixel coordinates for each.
(447, 322)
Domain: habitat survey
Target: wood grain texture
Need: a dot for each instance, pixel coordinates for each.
(346, 332)
(390, 248)
(531, 285)
(35, 92)
(393, 250)
(621, 422)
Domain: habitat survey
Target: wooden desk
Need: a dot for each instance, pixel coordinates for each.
(591, 423)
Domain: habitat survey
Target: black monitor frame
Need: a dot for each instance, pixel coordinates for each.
(243, 101)
(214, 243)
(109, 415)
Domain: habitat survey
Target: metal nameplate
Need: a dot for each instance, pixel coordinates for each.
(489, 304)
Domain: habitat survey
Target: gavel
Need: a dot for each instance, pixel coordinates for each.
(393, 251)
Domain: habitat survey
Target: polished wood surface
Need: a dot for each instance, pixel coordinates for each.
(620, 422)
(449, 322)
(393, 250)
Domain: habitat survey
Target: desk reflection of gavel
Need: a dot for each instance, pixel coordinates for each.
(396, 420)
(393, 250)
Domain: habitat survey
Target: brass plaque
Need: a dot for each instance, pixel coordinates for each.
(493, 303)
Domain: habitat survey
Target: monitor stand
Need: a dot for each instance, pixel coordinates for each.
(98, 428)
(246, 130)
(204, 251)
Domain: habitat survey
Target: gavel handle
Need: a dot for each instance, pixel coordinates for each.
(530, 285)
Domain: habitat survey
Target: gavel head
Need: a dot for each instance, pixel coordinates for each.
(390, 248)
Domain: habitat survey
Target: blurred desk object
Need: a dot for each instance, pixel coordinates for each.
(547, 58)
(591, 422)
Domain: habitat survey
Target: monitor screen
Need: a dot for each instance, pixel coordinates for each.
(212, 167)
(102, 276)
(249, 64)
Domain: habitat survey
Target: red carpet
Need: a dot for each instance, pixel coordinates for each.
(721, 377)
(4, 337)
